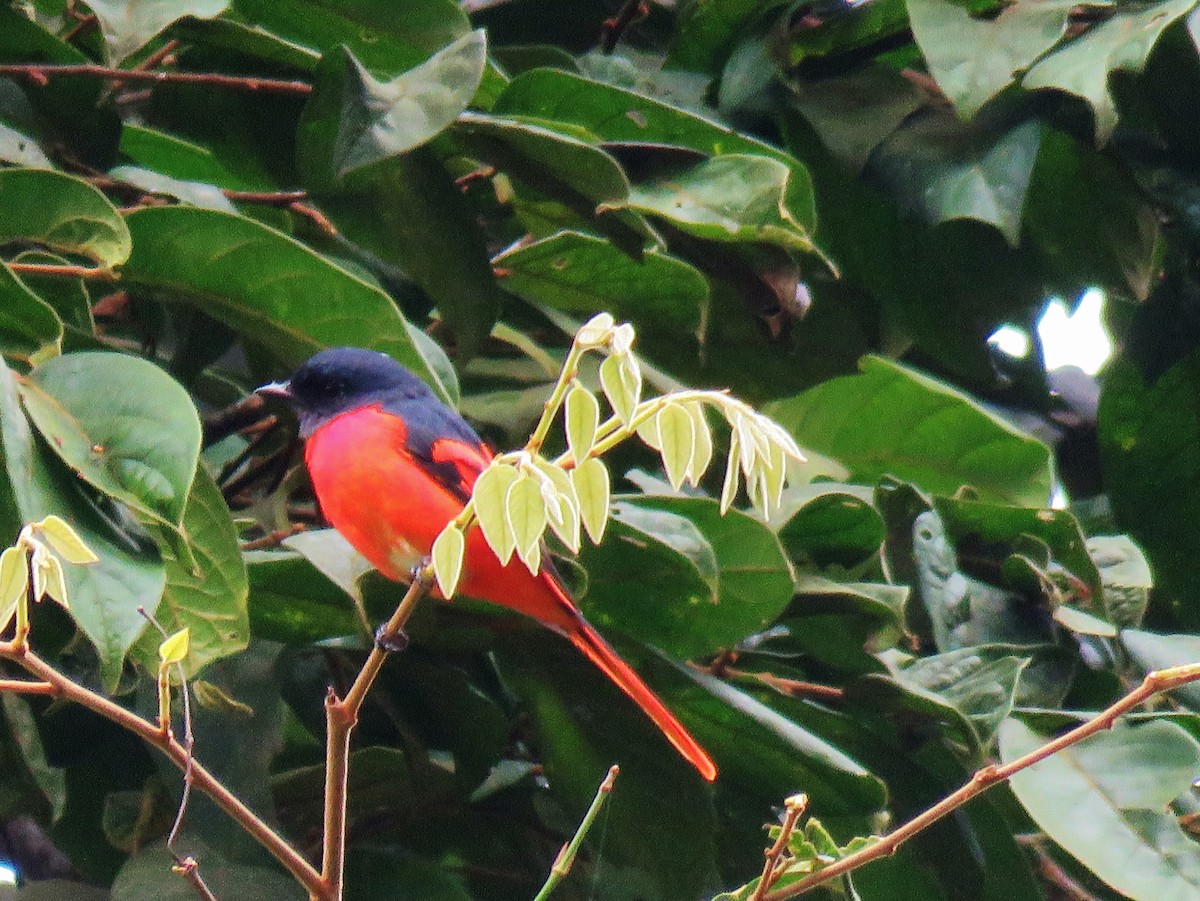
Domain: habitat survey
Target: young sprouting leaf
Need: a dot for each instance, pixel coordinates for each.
(566, 523)
(174, 648)
(703, 451)
(677, 437)
(14, 578)
(526, 511)
(647, 430)
(595, 331)
(582, 416)
(37, 571)
(66, 541)
(621, 341)
(55, 579)
(622, 383)
(447, 555)
(774, 472)
(590, 479)
(732, 474)
(491, 496)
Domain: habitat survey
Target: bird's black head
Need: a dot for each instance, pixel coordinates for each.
(344, 378)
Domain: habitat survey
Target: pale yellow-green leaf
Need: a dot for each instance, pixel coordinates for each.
(621, 341)
(582, 416)
(55, 580)
(533, 559)
(703, 452)
(595, 331)
(747, 447)
(647, 430)
(774, 469)
(677, 436)
(174, 648)
(14, 577)
(37, 570)
(448, 551)
(622, 386)
(566, 524)
(526, 510)
(732, 475)
(491, 496)
(590, 479)
(66, 542)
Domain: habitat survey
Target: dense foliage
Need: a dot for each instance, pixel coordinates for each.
(825, 208)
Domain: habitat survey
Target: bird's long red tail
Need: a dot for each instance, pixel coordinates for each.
(596, 649)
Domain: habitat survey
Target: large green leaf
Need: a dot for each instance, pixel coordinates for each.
(104, 596)
(1122, 43)
(892, 420)
(615, 114)
(1152, 651)
(582, 274)
(129, 24)
(264, 285)
(293, 602)
(386, 41)
(1104, 801)
(940, 169)
(206, 595)
(732, 197)
(974, 59)
(1150, 448)
(29, 327)
(353, 121)
(706, 30)
(122, 424)
(63, 213)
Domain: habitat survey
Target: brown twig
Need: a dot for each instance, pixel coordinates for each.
(1053, 873)
(158, 56)
(988, 776)
(793, 688)
(795, 807)
(19, 652)
(24, 687)
(273, 539)
(341, 716)
(39, 73)
(66, 270)
(189, 869)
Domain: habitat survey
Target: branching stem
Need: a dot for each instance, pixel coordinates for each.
(566, 855)
(40, 73)
(988, 776)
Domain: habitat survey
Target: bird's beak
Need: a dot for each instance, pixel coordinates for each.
(275, 389)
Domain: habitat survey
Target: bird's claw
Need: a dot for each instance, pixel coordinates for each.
(395, 642)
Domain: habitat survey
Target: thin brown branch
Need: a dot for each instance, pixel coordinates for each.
(273, 539)
(157, 57)
(189, 869)
(989, 776)
(341, 716)
(1053, 872)
(795, 807)
(81, 27)
(24, 687)
(39, 73)
(793, 688)
(66, 270)
(266, 198)
(292, 861)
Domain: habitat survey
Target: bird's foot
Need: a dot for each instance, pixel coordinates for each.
(395, 642)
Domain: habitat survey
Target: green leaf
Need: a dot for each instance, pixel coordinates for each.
(525, 509)
(894, 420)
(1122, 43)
(583, 274)
(591, 482)
(940, 169)
(1103, 800)
(29, 327)
(174, 648)
(619, 115)
(581, 416)
(130, 568)
(706, 30)
(832, 526)
(677, 439)
(176, 158)
(974, 59)
(63, 213)
(734, 197)
(66, 541)
(1125, 575)
(197, 193)
(14, 581)
(44, 786)
(206, 594)
(354, 121)
(1150, 449)
(1152, 651)
(122, 424)
(129, 24)
(293, 602)
(622, 383)
(447, 556)
(491, 508)
(385, 42)
(142, 875)
(261, 283)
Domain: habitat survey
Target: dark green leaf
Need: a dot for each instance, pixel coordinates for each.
(263, 284)
(707, 29)
(1125, 575)
(1123, 42)
(583, 275)
(832, 526)
(29, 327)
(144, 875)
(29, 786)
(893, 420)
(292, 602)
(122, 424)
(63, 213)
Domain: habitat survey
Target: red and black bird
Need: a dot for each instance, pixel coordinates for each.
(391, 465)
